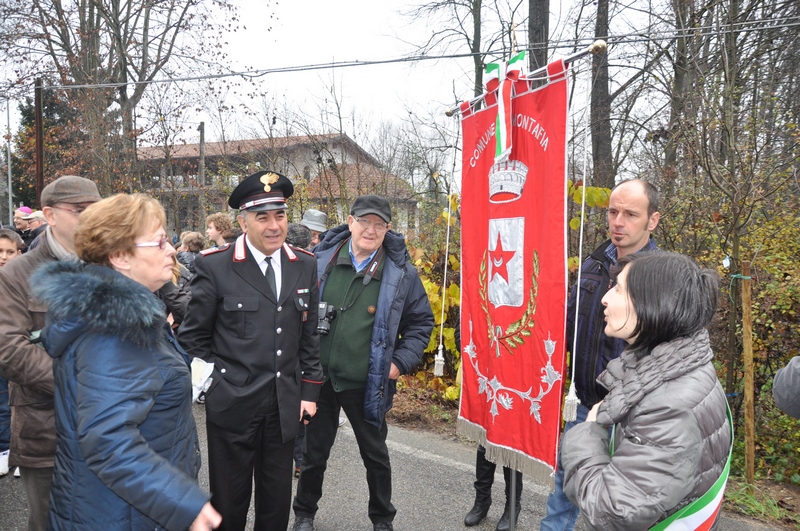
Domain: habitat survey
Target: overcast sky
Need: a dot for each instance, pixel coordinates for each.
(308, 32)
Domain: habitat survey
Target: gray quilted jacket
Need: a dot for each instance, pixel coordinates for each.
(786, 388)
(671, 439)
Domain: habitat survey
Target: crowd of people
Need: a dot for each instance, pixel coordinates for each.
(103, 316)
(301, 322)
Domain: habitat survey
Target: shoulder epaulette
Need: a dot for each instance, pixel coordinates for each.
(304, 251)
(213, 250)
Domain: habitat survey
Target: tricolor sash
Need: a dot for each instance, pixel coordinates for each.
(701, 514)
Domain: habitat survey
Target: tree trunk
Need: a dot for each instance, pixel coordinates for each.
(538, 32)
(604, 174)
(477, 58)
(680, 72)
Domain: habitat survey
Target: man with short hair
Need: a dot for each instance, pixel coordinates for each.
(378, 322)
(253, 314)
(23, 361)
(19, 218)
(22, 225)
(36, 223)
(632, 217)
(216, 224)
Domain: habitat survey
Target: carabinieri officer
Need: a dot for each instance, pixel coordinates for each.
(253, 314)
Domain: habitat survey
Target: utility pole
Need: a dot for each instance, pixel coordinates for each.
(201, 175)
(201, 170)
(8, 162)
(37, 97)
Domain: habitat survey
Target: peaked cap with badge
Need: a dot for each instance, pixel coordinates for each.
(264, 190)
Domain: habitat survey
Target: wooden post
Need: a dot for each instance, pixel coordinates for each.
(747, 352)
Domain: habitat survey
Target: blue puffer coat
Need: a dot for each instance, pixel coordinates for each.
(127, 456)
(403, 319)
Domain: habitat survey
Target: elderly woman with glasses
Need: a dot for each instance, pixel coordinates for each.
(127, 455)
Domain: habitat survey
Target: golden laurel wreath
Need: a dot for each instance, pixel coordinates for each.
(516, 332)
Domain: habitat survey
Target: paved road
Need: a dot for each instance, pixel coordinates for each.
(432, 488)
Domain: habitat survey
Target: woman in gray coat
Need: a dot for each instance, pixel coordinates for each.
(671, 437)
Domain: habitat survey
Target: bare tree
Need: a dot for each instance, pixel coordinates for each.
(122, 45)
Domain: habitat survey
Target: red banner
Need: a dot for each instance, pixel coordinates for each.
(514, 282)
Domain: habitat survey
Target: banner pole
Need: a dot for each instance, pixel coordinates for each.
(596, 48)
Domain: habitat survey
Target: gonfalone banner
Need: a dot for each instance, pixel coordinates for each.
(513, 289)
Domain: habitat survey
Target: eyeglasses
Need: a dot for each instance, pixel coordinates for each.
(379, 226)
(161, 244)
(77, 211)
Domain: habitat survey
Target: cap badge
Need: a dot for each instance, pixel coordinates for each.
(267, 179)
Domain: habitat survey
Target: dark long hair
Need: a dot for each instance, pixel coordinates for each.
(671, 295)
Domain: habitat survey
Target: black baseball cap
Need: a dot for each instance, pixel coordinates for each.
(372, 204)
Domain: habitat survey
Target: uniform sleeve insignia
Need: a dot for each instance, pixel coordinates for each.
(268, 179)
(213, 250)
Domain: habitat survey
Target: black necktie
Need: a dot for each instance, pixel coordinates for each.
(270, 274)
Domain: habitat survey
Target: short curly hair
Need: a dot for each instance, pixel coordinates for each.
(111, 226)
(221, 221)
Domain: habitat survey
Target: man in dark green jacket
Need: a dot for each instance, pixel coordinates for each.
(376, 322)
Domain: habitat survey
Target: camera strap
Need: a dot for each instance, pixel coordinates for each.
(370, 272)
(371, 269)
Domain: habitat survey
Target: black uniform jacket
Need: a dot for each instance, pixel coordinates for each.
(234, 321)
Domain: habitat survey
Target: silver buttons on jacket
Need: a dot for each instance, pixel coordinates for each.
(279, 330)
(279, 352)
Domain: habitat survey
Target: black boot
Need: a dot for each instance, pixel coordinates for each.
(505, 521)
(484, 476)
(477, 513)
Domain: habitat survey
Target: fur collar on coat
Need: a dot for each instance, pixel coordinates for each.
(98, 300)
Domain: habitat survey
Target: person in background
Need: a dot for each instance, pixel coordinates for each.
(786, 388)
(36, 223)
(231, 235)
(672, 437)
(191, 245)
(216, 224)
(253, 314)
(378, 327)
(632, 217)
(22, 225)
(23, 362)
(128, 454)
(11, 246)
(175, 294)
(298, 236)
(316, 221)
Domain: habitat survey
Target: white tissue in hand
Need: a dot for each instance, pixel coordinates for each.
(201, 377)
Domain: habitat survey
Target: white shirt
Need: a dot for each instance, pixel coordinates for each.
(261, 260)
